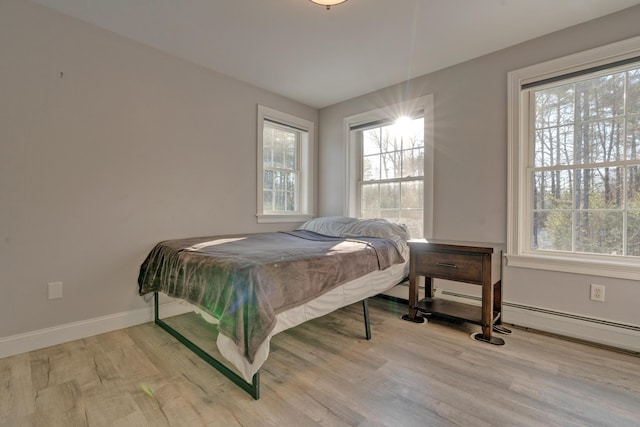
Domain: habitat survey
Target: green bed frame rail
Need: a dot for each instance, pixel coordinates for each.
(252, 388)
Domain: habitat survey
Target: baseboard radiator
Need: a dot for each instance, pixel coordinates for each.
(583, 328)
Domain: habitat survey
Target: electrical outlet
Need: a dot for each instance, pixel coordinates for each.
(55, 290)
(597, 292)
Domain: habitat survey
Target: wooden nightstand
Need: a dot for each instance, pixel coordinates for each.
(474, 263)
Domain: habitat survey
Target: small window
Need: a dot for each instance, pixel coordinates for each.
(284, 167)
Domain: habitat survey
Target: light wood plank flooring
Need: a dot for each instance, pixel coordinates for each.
(325, 373)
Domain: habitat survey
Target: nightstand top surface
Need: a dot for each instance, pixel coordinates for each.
(460, 245)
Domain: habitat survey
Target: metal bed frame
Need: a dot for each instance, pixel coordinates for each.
(252, 388)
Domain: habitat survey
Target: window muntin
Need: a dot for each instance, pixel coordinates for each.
(584, 165)
(391, 178)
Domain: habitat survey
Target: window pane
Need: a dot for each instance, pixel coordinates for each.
(371, 197)
(370, 213)
(599, 232)
(609, 184)
(280, 191)
(267, 157)
(391, 167)
(554, 106)
(554, 146)
(551, 231)
(392, 215)
(633, 91)
(413, 219)
(599, 141)
(371, 141)
(599, 188)
(411, 194)
(633, 187)
(278, 181)
(267, 200)
(371, 168)
(291, 179)
(279, 202)
(268, 179)
(290, 159)
(553, 190)
(413, 134)
(390, 139)
(633, 233)
(633, 138)
(390, 195)
(291, 201)
(413, 162)
(601, 97)
(279, 147)
(278, 158)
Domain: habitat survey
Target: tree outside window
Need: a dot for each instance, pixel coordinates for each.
(585, 165)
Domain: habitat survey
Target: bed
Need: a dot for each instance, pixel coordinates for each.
(255, 286)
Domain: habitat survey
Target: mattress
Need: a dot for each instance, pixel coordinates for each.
(351, 292)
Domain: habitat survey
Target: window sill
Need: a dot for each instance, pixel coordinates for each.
(620, 269)
(275, 218)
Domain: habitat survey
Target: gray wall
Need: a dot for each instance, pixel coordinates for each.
(131, 146)
(470, 176)
(127, 147)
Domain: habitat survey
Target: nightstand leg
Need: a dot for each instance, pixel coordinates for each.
(428, 287)
(413, 301)
(487, 310)
(487, 316)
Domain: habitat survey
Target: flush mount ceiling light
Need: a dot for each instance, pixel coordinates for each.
(328, 3)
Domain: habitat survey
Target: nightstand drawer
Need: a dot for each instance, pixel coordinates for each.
(443, 265)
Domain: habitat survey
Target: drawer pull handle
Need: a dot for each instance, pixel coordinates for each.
(445, 264)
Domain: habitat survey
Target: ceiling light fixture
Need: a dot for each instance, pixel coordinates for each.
(328, 3)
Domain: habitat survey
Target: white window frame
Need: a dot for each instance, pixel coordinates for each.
(352, 163)
(305, 196)
(518, 186)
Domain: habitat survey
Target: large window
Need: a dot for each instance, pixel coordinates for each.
(285, 144)
(576, 195)
(388, 160)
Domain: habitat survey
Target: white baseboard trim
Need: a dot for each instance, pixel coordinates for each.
(22, 343)
(599, 331)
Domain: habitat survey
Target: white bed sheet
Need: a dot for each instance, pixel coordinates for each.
(356, 290)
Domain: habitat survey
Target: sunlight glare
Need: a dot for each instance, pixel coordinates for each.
(403, 124)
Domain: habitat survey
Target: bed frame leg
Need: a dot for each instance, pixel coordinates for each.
(367, 324)
(252, 388)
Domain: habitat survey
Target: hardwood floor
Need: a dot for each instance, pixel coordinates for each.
(325, 373)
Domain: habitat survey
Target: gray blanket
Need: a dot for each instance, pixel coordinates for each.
(245, 281)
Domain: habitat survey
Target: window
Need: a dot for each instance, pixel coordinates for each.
(575, 163)
(285, 144)
(390, 165)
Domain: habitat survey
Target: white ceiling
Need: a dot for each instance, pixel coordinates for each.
(320, 57)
